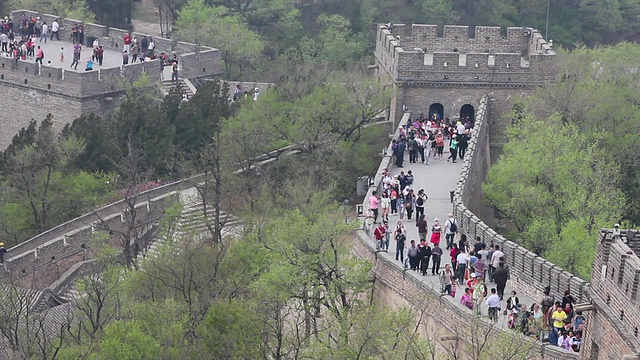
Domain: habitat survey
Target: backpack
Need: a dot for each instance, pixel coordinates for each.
(547, 302)
(453, 227)
(420, 201)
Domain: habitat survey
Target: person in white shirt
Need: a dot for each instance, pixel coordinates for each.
(462, 260)
(493, 303)
(44, 32)
(54, 30)
(426, 152)
(495, 258)
(460, 128)
(448, 233)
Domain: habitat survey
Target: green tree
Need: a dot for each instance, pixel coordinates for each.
(73, 9)
(39, 178)
(611, 118)
(439, 12)
(567, 191)
(219, 27)
(126, 340)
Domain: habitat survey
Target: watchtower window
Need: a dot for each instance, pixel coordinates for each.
(491, 61)
(462, 59)
(428, 59)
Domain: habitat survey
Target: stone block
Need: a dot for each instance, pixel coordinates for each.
(456, 34)
(49, 18)
(132, 71)
(51, 250)
(95, 30)
(77, 238)
(116, 38)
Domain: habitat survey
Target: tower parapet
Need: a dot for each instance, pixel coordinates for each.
(514, 55)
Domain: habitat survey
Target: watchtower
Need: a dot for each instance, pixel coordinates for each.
(444, 71)
(612, 314)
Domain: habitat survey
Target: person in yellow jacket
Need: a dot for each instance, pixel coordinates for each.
(558, 317)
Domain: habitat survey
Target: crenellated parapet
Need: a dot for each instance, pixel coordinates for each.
(462, 54)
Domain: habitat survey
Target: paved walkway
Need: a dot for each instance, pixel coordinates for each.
(438, 179)
(112, 57)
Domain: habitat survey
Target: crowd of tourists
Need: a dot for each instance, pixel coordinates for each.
(19, 39)
(426, 137)
(468, 266)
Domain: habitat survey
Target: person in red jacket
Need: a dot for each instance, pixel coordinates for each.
(379, 234)
(127, 42)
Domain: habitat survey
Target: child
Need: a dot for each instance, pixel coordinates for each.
(62, 54)
(466, 299)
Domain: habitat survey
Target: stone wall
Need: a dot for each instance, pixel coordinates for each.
(530, 272)
(612, 329)
(69, 94)
(69, 240)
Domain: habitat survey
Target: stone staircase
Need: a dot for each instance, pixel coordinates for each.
(192, 222)
(187, 87)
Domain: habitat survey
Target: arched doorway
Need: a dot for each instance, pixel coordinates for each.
(436, 111)
(467, 113)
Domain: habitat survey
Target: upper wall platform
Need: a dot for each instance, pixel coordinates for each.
(460, 53)
(194, 61)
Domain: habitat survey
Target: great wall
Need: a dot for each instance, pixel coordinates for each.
(610, 300)
(53, 88)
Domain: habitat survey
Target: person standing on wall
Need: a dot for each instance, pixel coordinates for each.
(127, 43)
(3, 251)
(77, 51)
(436, 256)
(399, 153)
(450, 230)
(400, 239)
(55, 28)
(174, 73)
(125, 57)
(4, 40)
(373, 205)
(462, 260)
(493, 304)
(463, 144)
(500, 276)
(44, 32)
(100, 54)
(39, 55)
(453, 148)
(421, 201)
(413, 254)
(495, 258)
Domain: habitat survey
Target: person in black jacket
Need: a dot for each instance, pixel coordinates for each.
(463, 144)
(425, 255)
(500, 276)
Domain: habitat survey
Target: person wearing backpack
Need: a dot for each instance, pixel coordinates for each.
(421, 200)
(450, 230)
